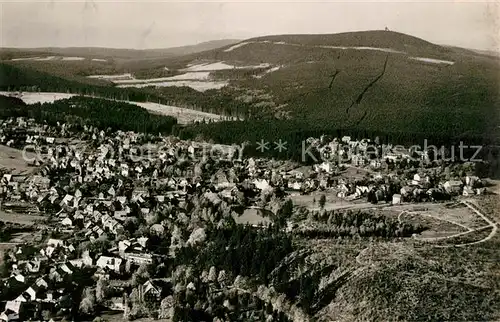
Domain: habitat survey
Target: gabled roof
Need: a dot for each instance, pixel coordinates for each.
(149, 286)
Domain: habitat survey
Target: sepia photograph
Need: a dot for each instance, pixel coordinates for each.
(275, 161)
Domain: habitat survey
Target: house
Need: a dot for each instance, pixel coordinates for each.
(68, 268)
(325, 166)
(480, 191)
(150, 292)
(31, 294)
(261, 184)
(14, 306)
(220, 179)
(87, 259)
(295, 185)
(143, 241)
(33, 291)
(468, 191)
(121, 199)
(56, 275)
(67, 222)
(9, 315)
(117, 303)
(115, 264)
(396, 199)
(24, 297)
(41, 282)
(120, 215)
(67, 200)
(51, 296)
(55, 242)
(123, 245)
(376, 164)
(32, 266)
(453, 186)
(6, 179)
(393, 157)
(138, 258)
(472, 181)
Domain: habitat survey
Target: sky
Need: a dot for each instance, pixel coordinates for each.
(161, 24)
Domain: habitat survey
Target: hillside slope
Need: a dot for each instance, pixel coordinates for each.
(376, 80)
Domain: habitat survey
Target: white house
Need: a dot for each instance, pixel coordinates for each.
(111, 263)
(325, 166)
(295, 185)
(396, 199)
(139, 258)
(40, 282)
(468, 191)
(261, 184)
(453, 186)
(471, 180)
(67, 222)
(55, 242)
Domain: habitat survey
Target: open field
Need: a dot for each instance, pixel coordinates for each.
(437, 228)
(183, 115)
(471, 225)
(21, 219)
(12, 159)
(459, 214)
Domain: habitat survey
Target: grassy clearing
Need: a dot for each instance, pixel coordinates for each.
(436, 228)
(21, 219)
(13, 161)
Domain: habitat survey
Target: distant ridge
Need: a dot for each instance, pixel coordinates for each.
(118, 53)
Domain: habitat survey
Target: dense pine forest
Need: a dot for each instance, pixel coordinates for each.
(295, 132)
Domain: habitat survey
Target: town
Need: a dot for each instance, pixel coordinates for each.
(98, 221)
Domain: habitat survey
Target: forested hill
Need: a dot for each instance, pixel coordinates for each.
(100, 113)
(372, 80)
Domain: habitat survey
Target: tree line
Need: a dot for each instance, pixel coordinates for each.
(358, 223)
